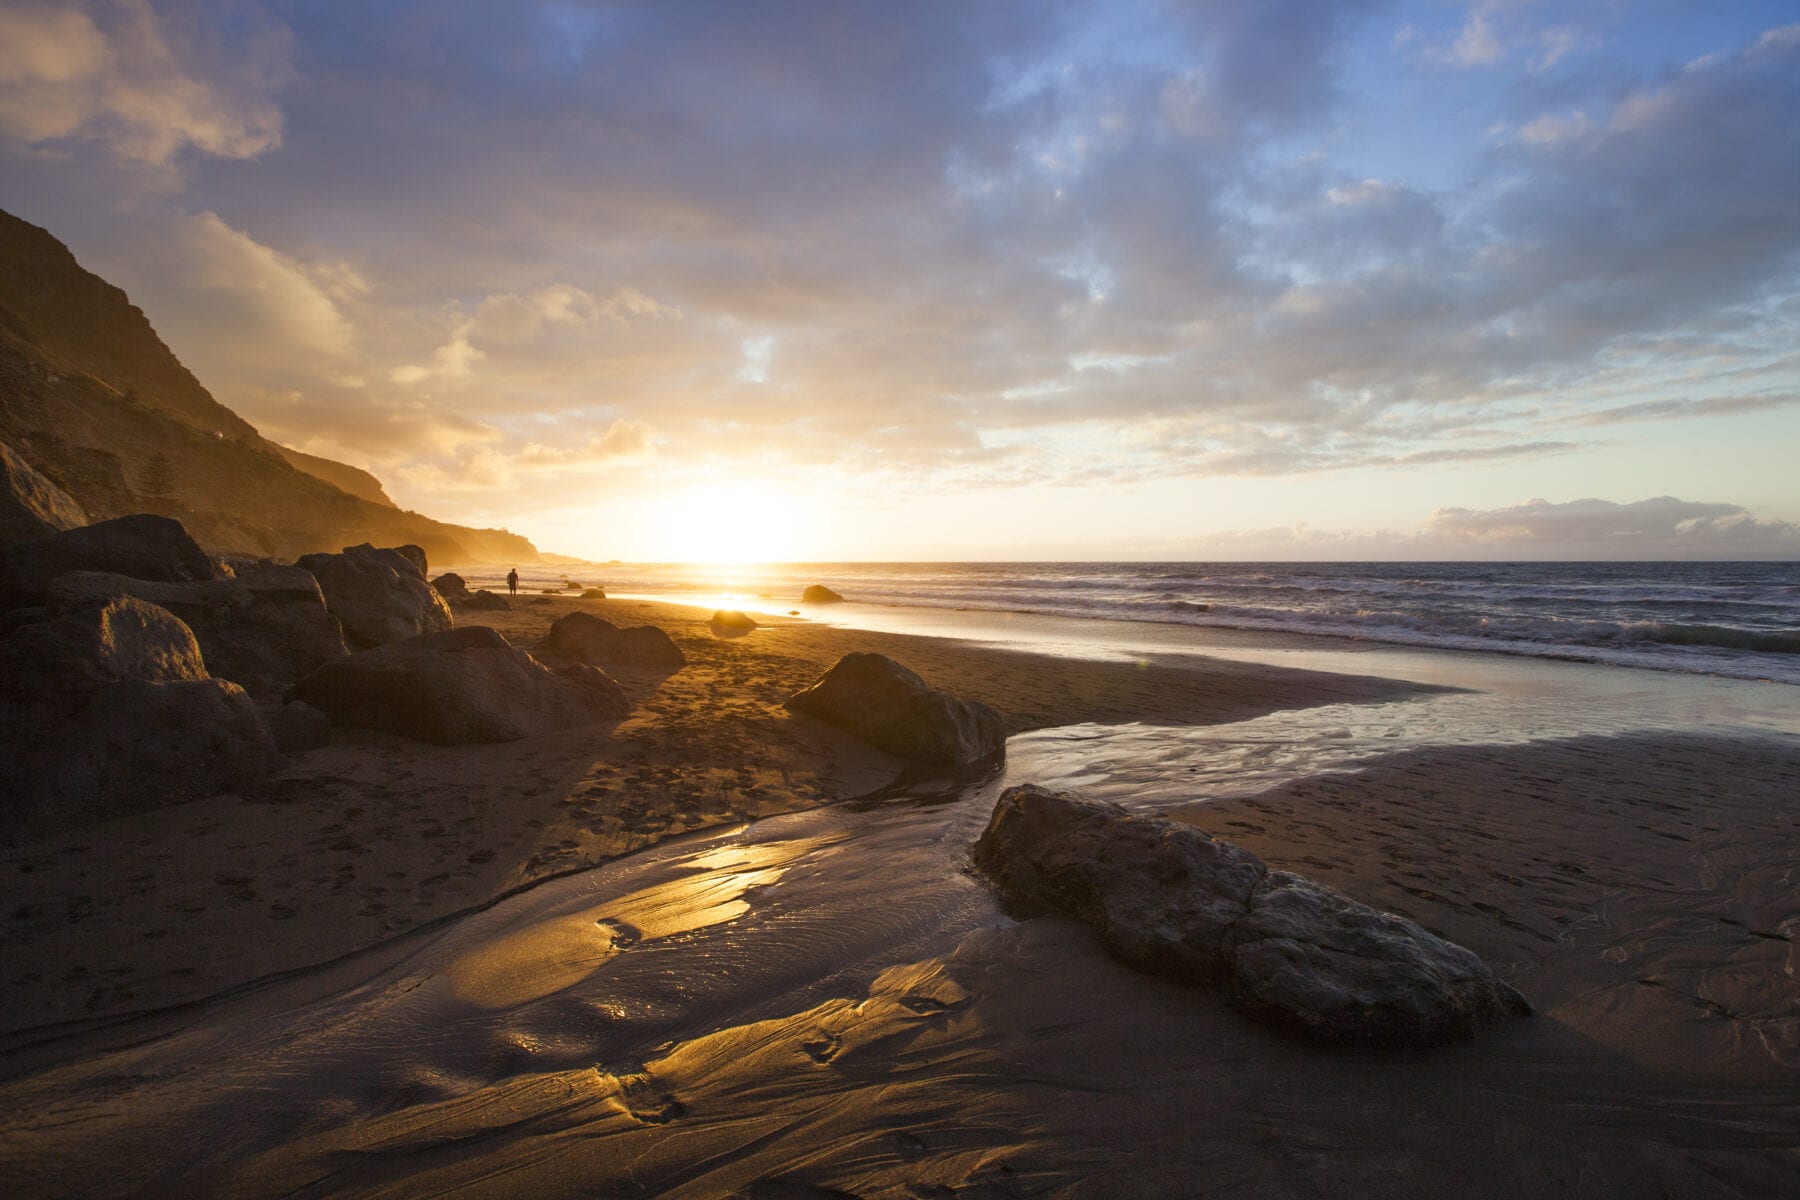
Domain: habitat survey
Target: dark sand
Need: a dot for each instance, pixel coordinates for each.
(1640, 890)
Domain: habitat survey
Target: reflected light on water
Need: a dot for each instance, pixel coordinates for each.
(561, 951)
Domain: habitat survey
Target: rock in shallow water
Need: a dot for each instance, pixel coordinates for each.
(1171, 901)
(893, 709)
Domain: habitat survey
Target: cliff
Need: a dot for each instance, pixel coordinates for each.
(93, 399)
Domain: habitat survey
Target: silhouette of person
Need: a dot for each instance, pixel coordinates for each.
(512, 581)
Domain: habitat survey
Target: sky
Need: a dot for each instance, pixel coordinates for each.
(832, 281)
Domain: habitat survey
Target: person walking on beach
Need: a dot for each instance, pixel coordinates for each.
(512, 581)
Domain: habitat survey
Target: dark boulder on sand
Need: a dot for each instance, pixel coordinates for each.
(262, 630)
(593, 593)
(818, 593)
(106, 709)
(378, 595)
(486, 601)
(451, 587)
(730, 622)
(32, 507)
(1173, 902)
(583, 637)
(142, 546)
(457, 687)
(893, 709)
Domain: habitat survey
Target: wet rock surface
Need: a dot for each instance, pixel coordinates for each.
(818, 593)
(893, 709)
(585, 638)
(458, 687)
(1173, 902)
(378, 595)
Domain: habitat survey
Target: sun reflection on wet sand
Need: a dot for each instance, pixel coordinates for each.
(561, 951)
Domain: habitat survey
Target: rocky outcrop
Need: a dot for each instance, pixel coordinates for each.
(457, 687)
(142, 546)
(262, 630)
(91, 397)
(1173, 902)
(585, 638)
(893, 709)
(31, 507)
(379, 596)
(106, 709)
(593, 593)
(818, 593)
(729, 622)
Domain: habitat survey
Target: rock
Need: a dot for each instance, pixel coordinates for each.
(298, 726)
(540, 600)
(486, 601)
(729, 622)
(1171, 901)
(451, 587)
(583, 637)
(31, 507)
(593, 594)
(892, 709)
(262, 630)
(459, 686)
(379, 596)
(411, 553)
(818, 593)
(106, 709)
(142, 546)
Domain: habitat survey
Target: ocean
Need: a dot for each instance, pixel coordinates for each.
(1736, 619)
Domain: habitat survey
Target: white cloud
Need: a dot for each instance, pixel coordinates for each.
(274, 303)
(145, 86)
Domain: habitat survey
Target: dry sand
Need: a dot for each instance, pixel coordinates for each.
(1640, 890)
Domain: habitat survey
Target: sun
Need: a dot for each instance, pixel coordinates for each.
(731, 523)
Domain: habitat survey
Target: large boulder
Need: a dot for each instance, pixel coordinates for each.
(1171, 901)
(457, 687)
(31, 507)
(142, 546)
(106, 709)
(378, 595)
(893, 709)
(818, 593)
(262, 630)
(731, 622)
(583, 637)
(452, 587)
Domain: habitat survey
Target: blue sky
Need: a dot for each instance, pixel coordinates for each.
(1299, 279)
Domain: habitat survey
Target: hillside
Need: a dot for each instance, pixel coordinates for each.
(93, 399)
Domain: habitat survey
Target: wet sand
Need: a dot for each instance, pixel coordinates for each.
(374, 835)
(828, 1003)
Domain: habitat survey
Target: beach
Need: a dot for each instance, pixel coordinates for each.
(397, 969)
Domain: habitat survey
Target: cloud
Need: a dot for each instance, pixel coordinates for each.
(269, 305)
(1656, 527)
(145, 85)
